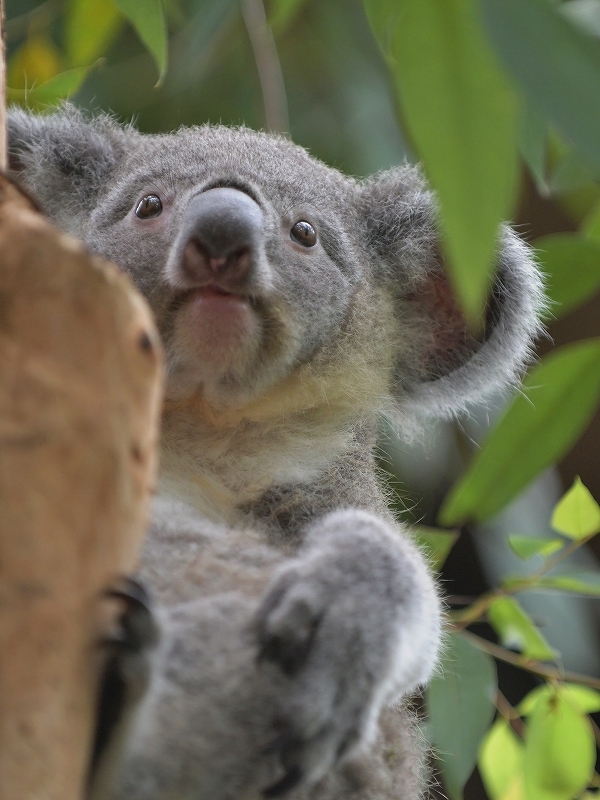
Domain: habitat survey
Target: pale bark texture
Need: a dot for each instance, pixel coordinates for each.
(80, 369)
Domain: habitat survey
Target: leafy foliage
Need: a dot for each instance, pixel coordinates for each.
(478, 84)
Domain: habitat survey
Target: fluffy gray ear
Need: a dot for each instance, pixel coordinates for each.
(441, 367)
(63, 159)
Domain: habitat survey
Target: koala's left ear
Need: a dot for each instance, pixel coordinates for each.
(441, 366)
(62, 158)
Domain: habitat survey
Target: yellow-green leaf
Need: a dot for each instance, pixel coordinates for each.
(527, 546)
(577, 514)
(583, 698)
(147, 17)
(461, 115)
(584, 583)
(56, 89)
(501, 761)
(516, 630)
(34, 63)
(560, 750)
(90, 27)
(436, 543)
(571, 263)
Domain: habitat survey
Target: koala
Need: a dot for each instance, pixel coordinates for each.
(296, 305)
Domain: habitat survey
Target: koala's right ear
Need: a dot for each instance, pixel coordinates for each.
(63, 159)
(441, 367)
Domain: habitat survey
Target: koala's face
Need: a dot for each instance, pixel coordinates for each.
(249, 266)
(262, 263)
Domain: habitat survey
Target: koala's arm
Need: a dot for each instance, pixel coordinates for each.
(354, 620)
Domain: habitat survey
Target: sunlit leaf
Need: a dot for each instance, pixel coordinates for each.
(571, 263)
(500, 761)
(560, 396)
(576, 514)
(58, 88)
(436, 543)
(526, 546)
(90, 26)
(460, 703)
(34, 63)
(584, 13)
(462, 117)
(516, 630)
(560, 750)
(147, 17)
(584, 698)
(554, 62)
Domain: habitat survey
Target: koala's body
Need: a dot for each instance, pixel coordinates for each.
(295, 305)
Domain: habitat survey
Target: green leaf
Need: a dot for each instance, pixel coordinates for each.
(282, 12)
(462, 117)
(500, 760)
(583, 698)
(583, 13)
(516, 631)
(57, 88)
(526, 546)
(556, 65)
(584, 583)
(147, 17)
(560, 750)
(533, 144)
(577, 514)
(90, 26)
(460, 703)
(436, 543)
(540, 425)
(572, 265)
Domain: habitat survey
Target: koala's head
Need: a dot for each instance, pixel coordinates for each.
(261, 263)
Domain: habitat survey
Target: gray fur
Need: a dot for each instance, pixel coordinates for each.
(296, 614)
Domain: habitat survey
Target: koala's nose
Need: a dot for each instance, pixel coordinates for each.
(223, 229)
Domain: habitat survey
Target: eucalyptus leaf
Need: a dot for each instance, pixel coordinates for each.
(517, 631)
(556, 65)
(571, 263)
(583, 698)
(501, 760)
(90, 26)
(560, 396)
(527, 546)
(460, 704)
(462, 116)
(584, 583)
(148, 19)
(282, 12)
(577, 514)
(533, 144)
(51, 92)
(560, 750)
(436, 543)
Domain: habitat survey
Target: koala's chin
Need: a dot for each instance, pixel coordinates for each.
(215, 343)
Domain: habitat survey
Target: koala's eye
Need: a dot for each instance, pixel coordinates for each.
(304, 233)
(148, 207)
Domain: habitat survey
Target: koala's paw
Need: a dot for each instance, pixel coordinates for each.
(126, 668)
(353, 623)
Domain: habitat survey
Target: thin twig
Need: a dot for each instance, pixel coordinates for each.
(267, 66)
(529, 664)
(509, 713)
(476, 611)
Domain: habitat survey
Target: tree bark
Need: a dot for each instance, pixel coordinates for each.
(80, 368)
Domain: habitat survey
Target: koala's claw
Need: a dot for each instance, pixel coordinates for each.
(126, 670)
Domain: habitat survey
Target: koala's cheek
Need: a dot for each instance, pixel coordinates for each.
(219, 331)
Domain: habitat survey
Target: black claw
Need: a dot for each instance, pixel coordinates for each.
(137, 628)
(290, 780)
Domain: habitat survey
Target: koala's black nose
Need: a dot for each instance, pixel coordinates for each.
(222, 231)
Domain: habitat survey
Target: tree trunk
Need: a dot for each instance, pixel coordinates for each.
(80, 368)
